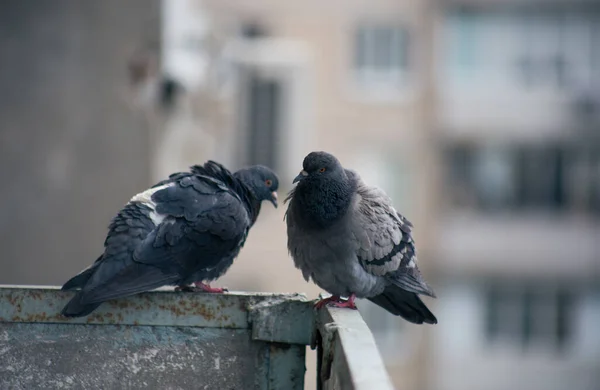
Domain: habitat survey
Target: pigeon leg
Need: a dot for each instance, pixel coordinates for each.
(208, 289)
(326, 301)
(349, 303)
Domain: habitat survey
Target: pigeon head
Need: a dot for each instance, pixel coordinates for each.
(320, 166)
(261, 181)
(323, 193)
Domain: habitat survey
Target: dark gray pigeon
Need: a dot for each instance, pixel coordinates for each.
(187, 229)
(347, 238)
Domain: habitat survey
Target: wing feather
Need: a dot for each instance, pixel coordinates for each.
(205, 223)
(385, 244)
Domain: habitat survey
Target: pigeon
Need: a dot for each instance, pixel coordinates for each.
(347, 238)
(184, 230)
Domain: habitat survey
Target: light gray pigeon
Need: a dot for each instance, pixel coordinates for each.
(347, 238)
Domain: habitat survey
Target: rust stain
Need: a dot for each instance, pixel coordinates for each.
(177, 311)
(119, 304)
(210, 308)
(12, 299)
(36, 295)
(38, 317)
(205, 312)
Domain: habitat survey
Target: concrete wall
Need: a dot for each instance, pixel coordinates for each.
(72, 150)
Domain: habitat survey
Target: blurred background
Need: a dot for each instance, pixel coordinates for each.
(480, 118)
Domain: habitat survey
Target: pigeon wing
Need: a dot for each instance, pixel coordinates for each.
(384, 241)
(204, 223)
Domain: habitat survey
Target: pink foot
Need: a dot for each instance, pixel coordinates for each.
(338, 302)
(208, 289)
(325, 301)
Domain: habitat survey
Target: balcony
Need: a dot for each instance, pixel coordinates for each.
(525, 245)
(166, 339)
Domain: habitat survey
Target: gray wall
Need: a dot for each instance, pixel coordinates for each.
(71, 151)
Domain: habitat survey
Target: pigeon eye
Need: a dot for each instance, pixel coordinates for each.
(268, 182)
(322, 170)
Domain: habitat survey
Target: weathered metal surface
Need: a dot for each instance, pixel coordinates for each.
(179, 340)
(161, 339)
(163, 307)
(52, 356)
(348, 356)
(287, 366)
(283, 320)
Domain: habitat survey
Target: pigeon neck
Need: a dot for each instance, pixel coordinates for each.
(254, 208)
(251, 201)
(324, 202)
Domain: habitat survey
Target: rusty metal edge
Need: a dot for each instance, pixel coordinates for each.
(289, 321)
(161, 307)
(361, 367)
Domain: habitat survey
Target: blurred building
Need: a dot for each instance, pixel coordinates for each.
(518, 251)
(479, 118)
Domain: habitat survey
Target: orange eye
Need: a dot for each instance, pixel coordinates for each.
(268, 182)
(322, 170)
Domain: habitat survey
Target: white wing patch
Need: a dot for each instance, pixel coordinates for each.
(146, 199)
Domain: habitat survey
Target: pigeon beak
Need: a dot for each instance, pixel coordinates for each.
(301, 175)
(274, 198)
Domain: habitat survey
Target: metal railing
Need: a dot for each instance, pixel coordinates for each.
(166, 339)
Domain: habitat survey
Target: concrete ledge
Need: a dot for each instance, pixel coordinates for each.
(162, 307)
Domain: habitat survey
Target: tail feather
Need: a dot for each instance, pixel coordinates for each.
(130, 280)
(75, 308)
(79, 280)
(406, 304)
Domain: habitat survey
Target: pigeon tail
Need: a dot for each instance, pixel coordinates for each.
(406, 304)
(78, 281)
(77, 309)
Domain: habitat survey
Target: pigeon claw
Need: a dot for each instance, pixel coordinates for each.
(323, 302)
(185, 288)
(206, 288)
(336, 301)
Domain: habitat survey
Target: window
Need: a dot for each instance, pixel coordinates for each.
(264, 121)
(524, 177)
(381, 56)
(529, 50)
(528, 315)
(261, 100)
(481, 177)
